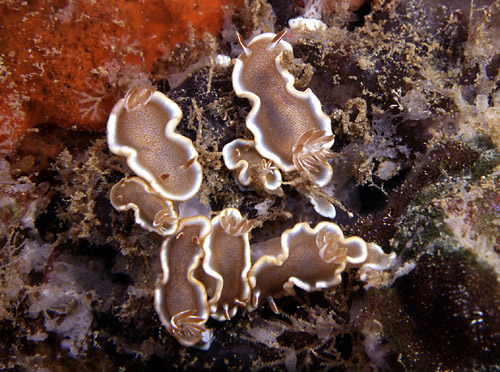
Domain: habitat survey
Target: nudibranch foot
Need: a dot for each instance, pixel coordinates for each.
(240, 303)
(288, 288)
(377, 260)
(321, 203)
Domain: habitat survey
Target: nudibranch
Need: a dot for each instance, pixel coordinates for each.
(249, 166)
(207, 264)
(377, 260)
(152, 211)
(142, 127)
(311, 259)
(227, 259)
(180, 299)
(289, 126)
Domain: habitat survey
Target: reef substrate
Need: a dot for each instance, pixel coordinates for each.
(413, 94)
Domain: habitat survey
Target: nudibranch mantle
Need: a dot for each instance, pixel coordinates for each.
(311, 259)
(282, 119)
(151, 210)
(180, 298)
(249, 166)
(227, 259)
(142, 127)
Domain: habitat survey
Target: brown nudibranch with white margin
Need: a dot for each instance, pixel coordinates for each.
(142, 127)
(288, 125)
(249, 167)
(311, 259)
(181, 299)
(207, 271)
(227, 259)
(152, 211)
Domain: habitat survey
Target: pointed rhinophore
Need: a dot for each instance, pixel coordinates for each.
(242, 44)
(275, 40)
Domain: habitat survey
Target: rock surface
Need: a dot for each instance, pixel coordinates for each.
(412, 89)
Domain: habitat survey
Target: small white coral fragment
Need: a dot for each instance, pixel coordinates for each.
(142, 128)
(301, 24)
(180, 299)
(227, 251)
(249, 166)
(280, 114)
(152, 211)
